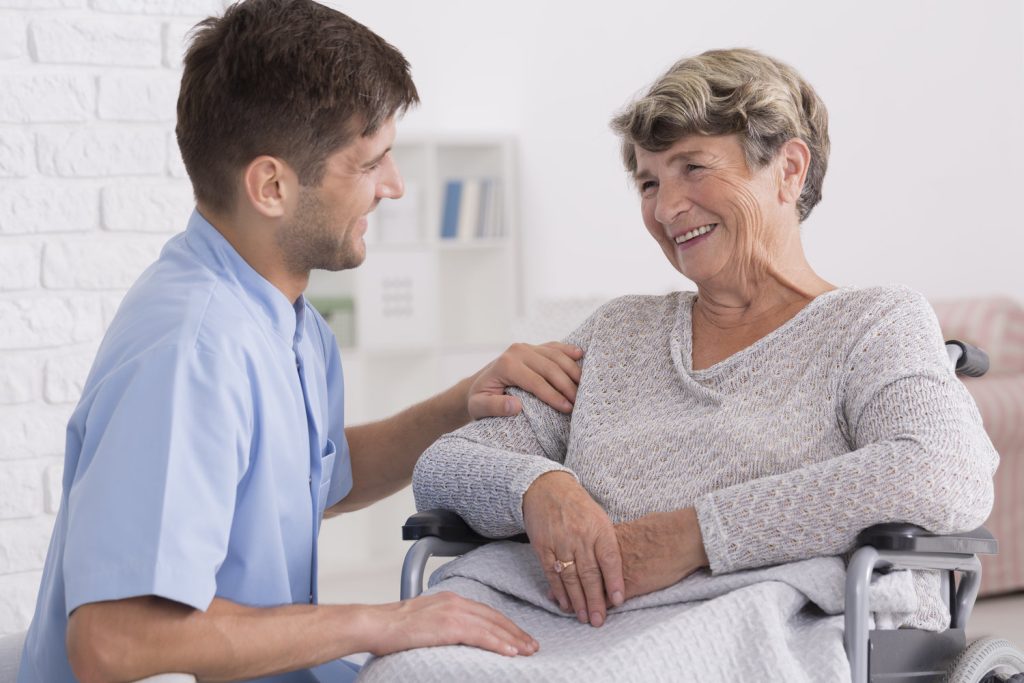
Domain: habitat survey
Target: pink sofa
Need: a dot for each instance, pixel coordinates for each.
(997, 326)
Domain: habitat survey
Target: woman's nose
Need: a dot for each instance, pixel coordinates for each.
(672, 201)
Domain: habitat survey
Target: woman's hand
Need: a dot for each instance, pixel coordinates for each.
(659, 550)
(548, 371)
(575, 542)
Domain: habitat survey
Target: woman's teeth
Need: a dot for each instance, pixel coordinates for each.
(696, 232)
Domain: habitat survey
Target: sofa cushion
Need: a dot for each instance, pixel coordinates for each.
(996, 325)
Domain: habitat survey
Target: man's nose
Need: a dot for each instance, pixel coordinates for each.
(391, 185)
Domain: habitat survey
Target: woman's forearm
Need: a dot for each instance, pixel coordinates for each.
(485, 485)
(930, 466)
(660, 549)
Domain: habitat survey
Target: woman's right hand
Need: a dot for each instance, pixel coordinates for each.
(576, 545)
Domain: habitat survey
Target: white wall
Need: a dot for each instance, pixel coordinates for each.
(925, 98)
(926, 111)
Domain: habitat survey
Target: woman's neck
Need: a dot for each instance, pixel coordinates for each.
(776, 295)
(776, 284)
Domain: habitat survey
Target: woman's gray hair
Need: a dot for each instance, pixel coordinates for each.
(722, 92)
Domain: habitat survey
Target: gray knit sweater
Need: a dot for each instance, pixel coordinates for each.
(846, 416)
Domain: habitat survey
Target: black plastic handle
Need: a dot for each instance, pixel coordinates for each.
(911, 538)
(973, 362)
(448, 526)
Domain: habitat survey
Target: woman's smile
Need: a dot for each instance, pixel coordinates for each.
(692, 237)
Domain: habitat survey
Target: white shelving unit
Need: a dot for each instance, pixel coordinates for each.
(419, 314)
(423, 310)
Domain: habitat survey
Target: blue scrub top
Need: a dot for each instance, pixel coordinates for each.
(208, 441)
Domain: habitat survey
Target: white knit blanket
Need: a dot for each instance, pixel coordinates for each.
(781, 623)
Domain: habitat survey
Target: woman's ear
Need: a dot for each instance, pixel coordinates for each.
(270, 185)
(795, 158)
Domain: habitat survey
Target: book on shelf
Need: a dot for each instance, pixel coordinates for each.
(450, 210)
(471, 209)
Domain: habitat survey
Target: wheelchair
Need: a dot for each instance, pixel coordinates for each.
(875, 655)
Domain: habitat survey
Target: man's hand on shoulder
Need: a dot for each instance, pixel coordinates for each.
(550, 372)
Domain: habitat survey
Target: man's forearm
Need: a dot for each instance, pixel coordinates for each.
(384, 453)
(139, 637)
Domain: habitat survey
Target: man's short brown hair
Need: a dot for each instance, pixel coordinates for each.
(287, 78)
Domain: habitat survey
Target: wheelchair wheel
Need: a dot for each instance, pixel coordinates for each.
(988, 660)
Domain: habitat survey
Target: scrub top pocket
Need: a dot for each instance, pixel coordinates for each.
(326, 470)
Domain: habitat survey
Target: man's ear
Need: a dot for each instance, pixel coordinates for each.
(795, 158)
(269, 186)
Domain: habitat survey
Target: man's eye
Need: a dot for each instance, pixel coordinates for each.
(690, 168)
(647, 186)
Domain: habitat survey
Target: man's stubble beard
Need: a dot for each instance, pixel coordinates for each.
(308, 241)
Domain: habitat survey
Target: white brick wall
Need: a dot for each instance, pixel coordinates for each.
(91, 186)
(38, 98)
(96, 40)
(100, 150)
(16, 158)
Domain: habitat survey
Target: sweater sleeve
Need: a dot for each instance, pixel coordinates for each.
(919, 454)
(482, 470)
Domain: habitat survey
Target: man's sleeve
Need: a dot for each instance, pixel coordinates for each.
(152, 501)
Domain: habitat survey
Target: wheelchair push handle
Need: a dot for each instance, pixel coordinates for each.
(967, 359)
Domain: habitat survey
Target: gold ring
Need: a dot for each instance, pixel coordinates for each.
(562, 565)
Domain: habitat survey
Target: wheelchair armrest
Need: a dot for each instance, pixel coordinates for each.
(447, 526)
(911, 538)
(908, 546)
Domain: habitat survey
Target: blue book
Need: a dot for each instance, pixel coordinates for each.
(450, 212)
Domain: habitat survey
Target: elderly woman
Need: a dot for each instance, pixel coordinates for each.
(762, 420)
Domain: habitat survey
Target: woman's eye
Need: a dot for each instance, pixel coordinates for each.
(690, 168)
(647, 186)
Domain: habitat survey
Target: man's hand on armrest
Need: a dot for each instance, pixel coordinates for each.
(138, 637)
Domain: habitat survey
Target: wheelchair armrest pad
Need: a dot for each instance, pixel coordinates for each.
(447, 526)
(911, 538)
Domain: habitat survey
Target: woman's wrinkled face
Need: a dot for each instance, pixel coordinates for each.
(707, 209)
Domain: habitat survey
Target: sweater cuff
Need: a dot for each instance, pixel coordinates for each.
(715, 543)
(522, 479)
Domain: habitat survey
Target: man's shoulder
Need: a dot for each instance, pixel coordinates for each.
(180, 303)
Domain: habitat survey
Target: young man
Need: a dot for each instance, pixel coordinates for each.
(210, 440)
